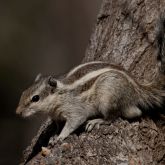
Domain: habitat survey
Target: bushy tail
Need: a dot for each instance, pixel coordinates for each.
(150, 96)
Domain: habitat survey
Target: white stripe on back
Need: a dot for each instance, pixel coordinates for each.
(82, 65)
(87, 77)
(96, 73)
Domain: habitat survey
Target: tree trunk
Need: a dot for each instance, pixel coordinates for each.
(124, 35)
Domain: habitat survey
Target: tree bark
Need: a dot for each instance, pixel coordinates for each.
(124, 35)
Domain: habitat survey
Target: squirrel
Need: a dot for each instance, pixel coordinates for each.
(94, 90)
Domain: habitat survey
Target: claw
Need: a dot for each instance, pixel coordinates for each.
(93, 123)
(54, 141)
(97, 126)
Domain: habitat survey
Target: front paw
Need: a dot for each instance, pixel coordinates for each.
(59, 139)
(54, 140)
(51, 141)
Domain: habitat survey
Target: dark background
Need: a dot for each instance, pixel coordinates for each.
(36, 36)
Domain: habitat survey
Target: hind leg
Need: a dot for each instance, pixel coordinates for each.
(131, 112)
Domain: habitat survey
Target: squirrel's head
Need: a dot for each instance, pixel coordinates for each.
(38, 97)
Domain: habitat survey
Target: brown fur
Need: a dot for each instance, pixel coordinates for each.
(94, 89)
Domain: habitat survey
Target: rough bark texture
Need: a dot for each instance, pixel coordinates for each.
(124, 35)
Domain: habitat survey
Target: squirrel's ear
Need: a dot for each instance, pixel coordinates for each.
(38, 77)
(52, 82)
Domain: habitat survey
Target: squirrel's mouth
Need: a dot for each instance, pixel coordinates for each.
(28, 112)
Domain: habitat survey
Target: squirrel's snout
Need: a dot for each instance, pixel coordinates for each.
(18, 111)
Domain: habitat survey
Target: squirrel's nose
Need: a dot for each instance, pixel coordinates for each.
(18, 111)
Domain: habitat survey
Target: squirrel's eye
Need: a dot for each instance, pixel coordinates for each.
(35, 98)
